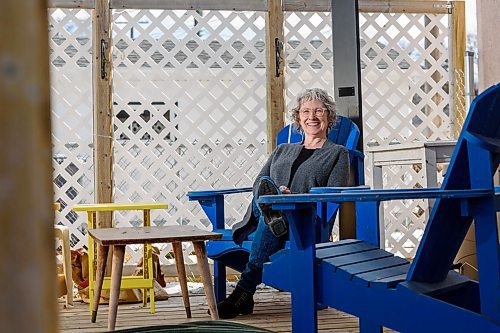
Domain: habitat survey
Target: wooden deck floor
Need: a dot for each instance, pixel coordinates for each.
(272, 312)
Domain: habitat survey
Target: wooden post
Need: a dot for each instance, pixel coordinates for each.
(28, 301)
(275, 72)
(458, 44)
(488, 43)
(103, 113)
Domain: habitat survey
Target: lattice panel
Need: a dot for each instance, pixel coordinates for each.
(70, 41)
(404, 220)
(404, 60)
(405, 87)
(308, 53)
(189, 104)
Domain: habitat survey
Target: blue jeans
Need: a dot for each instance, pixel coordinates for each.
(263, 246)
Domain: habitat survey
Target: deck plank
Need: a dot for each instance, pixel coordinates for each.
(272, 311)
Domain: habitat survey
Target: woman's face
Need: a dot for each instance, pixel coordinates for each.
(314, 118)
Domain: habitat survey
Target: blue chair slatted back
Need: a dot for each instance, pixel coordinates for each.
(447, 228)
(345, 133)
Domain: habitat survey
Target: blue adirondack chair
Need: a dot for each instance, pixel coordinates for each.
(225, 252)
(359, 278)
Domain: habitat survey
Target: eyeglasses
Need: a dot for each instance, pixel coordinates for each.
(319, 112)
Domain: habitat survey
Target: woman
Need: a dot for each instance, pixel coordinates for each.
(291, 168)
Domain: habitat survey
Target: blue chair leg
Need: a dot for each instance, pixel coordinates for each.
(219, 281)
(366, 326)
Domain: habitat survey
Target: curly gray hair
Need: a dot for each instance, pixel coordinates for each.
(314, 94)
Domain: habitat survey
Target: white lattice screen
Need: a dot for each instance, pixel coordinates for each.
(189, 104)
(308, 53)
(405, 219)
(70, 38)
(406, 82)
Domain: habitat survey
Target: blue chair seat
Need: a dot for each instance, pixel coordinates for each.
(362, 263)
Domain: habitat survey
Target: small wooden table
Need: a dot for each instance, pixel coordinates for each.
(146, 282)
(120, 237)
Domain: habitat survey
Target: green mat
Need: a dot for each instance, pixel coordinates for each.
(198, 326)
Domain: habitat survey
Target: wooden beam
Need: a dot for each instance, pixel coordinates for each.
(232, 5)
(86, 4)
(275, 73)
(373, 6)
(397, 6)
(488, 43)
(103, 113)
(28, 301)
(458, 44)
(367, 6)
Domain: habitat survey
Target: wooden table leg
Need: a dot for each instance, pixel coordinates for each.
(116, 279)
(66, 252)
(99, 278)
(201, 255)
(181, 273)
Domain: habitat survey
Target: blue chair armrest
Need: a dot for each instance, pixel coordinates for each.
(367, 202)
(284, 202)
(338, 189)
(212, 203)
(197, 195)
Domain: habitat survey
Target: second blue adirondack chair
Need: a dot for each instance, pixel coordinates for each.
(225, 252)
(426, 295)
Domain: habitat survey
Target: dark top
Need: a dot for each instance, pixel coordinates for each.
(305, 153)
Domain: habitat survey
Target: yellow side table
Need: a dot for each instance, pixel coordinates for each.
(144, 282)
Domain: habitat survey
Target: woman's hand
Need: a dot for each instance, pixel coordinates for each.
(285, 190)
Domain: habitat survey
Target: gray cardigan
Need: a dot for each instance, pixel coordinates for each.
(328, 166)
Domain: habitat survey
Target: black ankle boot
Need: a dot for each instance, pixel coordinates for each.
(239, 302)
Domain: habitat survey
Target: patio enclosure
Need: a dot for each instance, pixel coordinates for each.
(189, 102)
